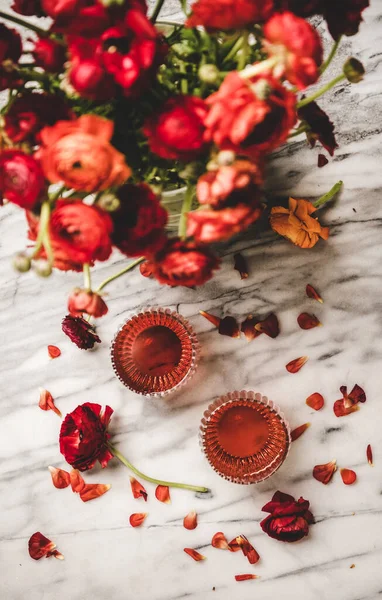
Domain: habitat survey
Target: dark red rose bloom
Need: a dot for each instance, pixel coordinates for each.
(177, 130)
(320, 126)
(10, 51)
(250, 116)
(183, 263)
(80, 332)
(207, 225)
(87, 72)
(84, 436)
(49, 55)
(86, 301)
(139, 222)
(229, 14)
(82, 231)
(289, 519)
(297, 47)
(21, 179)
(31, 112)
(28, 8)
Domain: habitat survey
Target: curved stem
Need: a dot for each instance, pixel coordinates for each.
(116, 275)
(87, 276)
(332, 54)
(43, 235)
(186, 207)
(258, 67)
(232, 53)
(297, 131)
(185, 486)
(26, 24)
(329, 195)
(243, 56)
(321, 91)
(156, 11)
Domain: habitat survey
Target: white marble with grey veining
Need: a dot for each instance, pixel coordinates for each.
(105, 559)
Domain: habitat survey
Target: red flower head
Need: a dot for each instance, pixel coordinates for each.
(10, 51)
(83, 436)
(177, 130)
(252, 116)
(139, 222)
(183, 263)
(86, 301)
(216, 187)
(297, 47)
(82, 231)
(21, 179)
(319, 125)
(28, 8)
(208, 226)
(289, 519)
(80, 332)
(77, 17)
(87, 72)
(229, 14)
(49, 55)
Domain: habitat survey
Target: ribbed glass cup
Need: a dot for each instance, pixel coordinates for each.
(244, 436)
(155, 352)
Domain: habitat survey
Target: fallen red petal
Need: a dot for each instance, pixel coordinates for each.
(211, 318)
(295, 365)
(312, 293)
(248, 327)
(348, 476)
(369, 455)
(234, 546)
(60, 478)
(190, 521)
(39, 546)
(247, 549)
(56, 554)
(54, 351)
(138, 489)
(162, 493)
(93, 490)
(241, 265)
(220, 541)
(194, 554)
(322, 161)
(76, 481)
(356, 395)
(308, 321)
(315, 401)
(229, 327)
(137, 519)
(246, 576)
(324, 473)
(296, 433)
(270, 326)
(46, 402)
(340, 409)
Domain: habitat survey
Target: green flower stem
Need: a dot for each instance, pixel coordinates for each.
(329, 195)
(332, 54)
(186, 207)
(243, 56)
(116, 275)
(297, 131)
(258, 68)
(31, 74)
(321, 91)
(87, 277)
(44, 221)
(232, 53)
(156, 11)
(185, 486)
(26, 24)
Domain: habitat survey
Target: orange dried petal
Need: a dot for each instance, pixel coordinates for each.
(241, 265)
(246, 576)
(234, 546)
(248, 327)
(162, 493)
(39, 546)
(324, 473)
(308, 321)
(296, 433)
(348, 476)
(270, 326)
(295, 365)
(315, 401)
(220, 541)
(369, 455)
(93, 490)
(211, 318)
(229, 327)
(60, 478)
(46, 402)
(340, 409)
(136, 519)
(54, 351)
(194, 554)
(76, 481)
(312, 293)
(190, 521)
(138, 489)
(247, 549)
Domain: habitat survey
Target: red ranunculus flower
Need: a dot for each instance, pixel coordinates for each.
(10, 51)
(319, 125)
(49, 55)
(86, 301)
(139, 222)
(208, 225)
(78, 17)
(183, 263)
(82, 231)
(296, 45)
(21, 179)
(289, 519)
(28, 8)
(217, 186)
(177, 130)
(80, 332)
(84, 436)
(229, 14)
(251, 116)
(87, 72)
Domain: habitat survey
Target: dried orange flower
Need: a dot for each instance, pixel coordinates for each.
(296, 223)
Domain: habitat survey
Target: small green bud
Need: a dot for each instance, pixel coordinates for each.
(353, 70)
(225, 158)
(43, 268)
(109, 202)
(21, 262)
(209, 73)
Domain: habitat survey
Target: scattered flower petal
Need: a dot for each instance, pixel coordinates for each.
(137, 519)
(356, 395)
(307, 321)
(190, 521)
(352, 566)
(296, 433)
(322, 161)
(162, 493)
(248, 327)
(46, 402)
(348, 476)
(54, 351)
(369, 455)
(247, 549)
(246, 576)
(234, 546)
(295, 365)
(230, 327)
(220, 541)
(270, 326)
(39, 546)
(241, 265)
(315, 401)
(138, 489)
(76, 481)
(93, 490)
(211, 318)
(194, 554)
(312, 293)
(324, 473)
(60, 478)
(341, 411)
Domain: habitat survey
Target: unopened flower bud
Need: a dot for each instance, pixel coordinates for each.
(353, 70)
(109, 202)
(209, 73)
(43, 268)
(21, 262)
(225, 158)
(262, 89)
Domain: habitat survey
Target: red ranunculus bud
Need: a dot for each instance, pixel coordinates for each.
(177, 130)
(84, 436)
(289, 519)
(86, 301)
(49, 55)
(229, 14)
(80, 332)
(10, 51)
(21, 179)
(87, 72)
(28, 8)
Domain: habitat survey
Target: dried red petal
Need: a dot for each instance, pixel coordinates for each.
(247, 549)
(295, 365)
(296, 433)
(190, 521)
(356, 395)
(46, 402)
(138, 489)
(270, 326)
(162, 493)
(76, 481)
(307, 321)
(322, 161)
(340, 409)
(248, 327)
(348, 476)
(246, 576)
(315, 401)
(324, 473)
(93, 490)
(241, 265)
(229, 327)
(220, 541)
(60, 478)
(137, 519)
(234, 546)
(194, 554)
(312, 293)
(211, 318)
(39, 546)
(56, 554)
(369, 455)
(54, 351)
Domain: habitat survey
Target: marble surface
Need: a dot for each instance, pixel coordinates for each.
(104, 557)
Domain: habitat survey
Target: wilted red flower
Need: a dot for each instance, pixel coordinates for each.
(228, 182)
(80, 332)
(139, 221)
(296, 46)
(229, 14)
(84, 436)
(22, 181)
(324, 473)
(250, 116)
(39, 546)
(208, 225)
(28, 8)
(183, 263)
(296, 223)
(10, 50)
(176, 131)
(289, 519)
(49, 55)
(320, 128)
(86, 301)
(87, 73)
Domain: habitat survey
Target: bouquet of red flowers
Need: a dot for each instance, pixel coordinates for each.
(111, 111)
